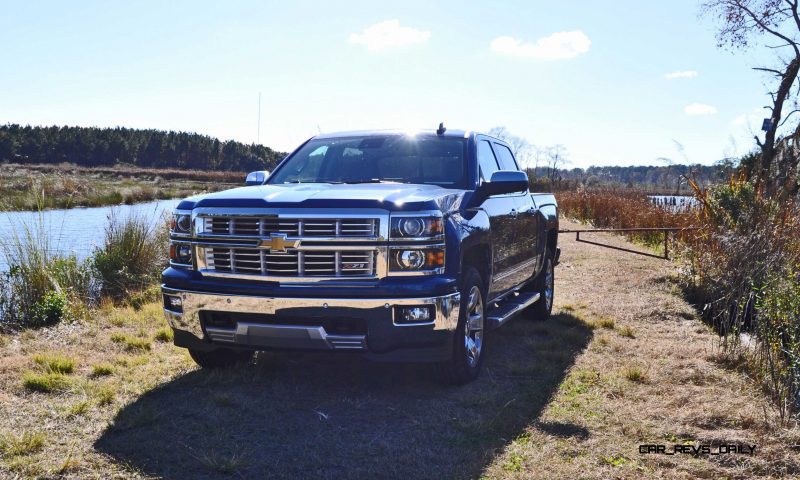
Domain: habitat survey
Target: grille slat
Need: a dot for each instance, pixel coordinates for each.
(292, 263)
(251, 260)
(310, 227)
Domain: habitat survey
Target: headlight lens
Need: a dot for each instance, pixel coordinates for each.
(410, 259)
(416, 227)
(181, 223)
(417, 259)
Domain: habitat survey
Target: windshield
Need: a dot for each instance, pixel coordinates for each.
(376, 159)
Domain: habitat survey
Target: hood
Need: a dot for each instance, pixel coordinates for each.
(392, 197)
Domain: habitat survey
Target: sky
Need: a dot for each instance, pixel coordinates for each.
(623, 82)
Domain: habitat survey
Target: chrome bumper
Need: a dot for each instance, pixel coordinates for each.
(277, 335)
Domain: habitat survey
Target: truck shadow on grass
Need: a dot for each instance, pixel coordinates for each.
(334, 416)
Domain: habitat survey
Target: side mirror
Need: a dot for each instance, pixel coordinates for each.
(505, 181)
(256, 178)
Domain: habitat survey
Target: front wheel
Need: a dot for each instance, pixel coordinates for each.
(545, 286)
(220, 358)
(468, 349)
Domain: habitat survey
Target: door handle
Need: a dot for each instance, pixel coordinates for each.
(514, 213)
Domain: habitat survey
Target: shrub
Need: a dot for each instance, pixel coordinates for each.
(741, 269)
(132, 256)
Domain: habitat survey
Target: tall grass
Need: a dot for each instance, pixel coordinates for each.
(622, 209)
(132, 256)
(40, 287)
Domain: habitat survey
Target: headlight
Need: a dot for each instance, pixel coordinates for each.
(416, 259)
(416, 227)
(180, 253)
(181, 224)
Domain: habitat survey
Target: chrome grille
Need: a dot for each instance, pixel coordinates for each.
(305, 227)
(292, 263)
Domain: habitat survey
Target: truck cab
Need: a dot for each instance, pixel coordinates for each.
(399, 246)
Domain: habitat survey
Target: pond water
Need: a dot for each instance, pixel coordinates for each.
(75, 231)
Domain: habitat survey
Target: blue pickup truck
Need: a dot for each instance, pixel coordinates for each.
(399, 246)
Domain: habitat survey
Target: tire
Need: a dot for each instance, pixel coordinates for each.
(545, 287)
(469, 347)
(220, 358)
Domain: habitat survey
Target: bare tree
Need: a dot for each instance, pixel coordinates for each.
(744, 21)
(557, 157)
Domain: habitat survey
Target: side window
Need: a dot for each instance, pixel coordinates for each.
(486, 160)
(506, 158)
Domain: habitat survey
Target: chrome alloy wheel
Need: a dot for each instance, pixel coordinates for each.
(549, 286)
(473, 330)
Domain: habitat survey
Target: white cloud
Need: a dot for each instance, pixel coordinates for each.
(558, 46)
(388, 34)
(699, 109)
(740, 120)
(681, 74)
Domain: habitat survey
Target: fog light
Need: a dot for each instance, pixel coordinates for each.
(415, 315)
(173, 303)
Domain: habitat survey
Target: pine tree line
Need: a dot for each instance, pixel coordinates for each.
(93, 147)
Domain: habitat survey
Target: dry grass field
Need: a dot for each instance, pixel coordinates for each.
(624, 361)
(34, 187)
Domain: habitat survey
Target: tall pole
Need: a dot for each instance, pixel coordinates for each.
(258, 135)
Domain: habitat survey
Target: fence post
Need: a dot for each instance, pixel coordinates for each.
(666, 244)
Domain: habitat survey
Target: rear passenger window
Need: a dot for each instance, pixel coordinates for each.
(506, 158)
(486, 160)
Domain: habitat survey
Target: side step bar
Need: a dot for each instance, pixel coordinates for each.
(510, 308)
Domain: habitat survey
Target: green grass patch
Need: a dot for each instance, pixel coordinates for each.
(25, 444)
(634, 374)
(514, 463)
(55, 363)
(77, 408)
(46, 382)
(607, 323)
(164, 335)
(102, 370)
(131, 343)
(105, 395)
(615, 460)
(626, 332)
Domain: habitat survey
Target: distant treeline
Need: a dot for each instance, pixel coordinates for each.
(656, 179)
(93, 147)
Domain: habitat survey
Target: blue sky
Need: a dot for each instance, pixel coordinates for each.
(591, 75)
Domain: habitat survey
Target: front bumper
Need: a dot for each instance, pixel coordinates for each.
(260, 322)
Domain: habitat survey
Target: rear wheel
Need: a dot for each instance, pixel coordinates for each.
(468, 349)
(545, 286)
(220, 358)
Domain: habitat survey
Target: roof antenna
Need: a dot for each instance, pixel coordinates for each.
(441, 129)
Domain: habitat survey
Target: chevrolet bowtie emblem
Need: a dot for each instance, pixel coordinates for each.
(277, 243)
